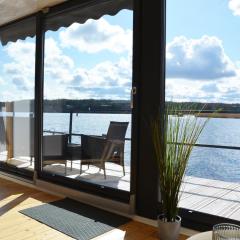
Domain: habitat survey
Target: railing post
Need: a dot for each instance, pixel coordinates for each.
(70, 126)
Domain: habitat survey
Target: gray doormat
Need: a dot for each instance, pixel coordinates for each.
(77, 220)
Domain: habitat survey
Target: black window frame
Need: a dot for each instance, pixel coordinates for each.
(149, 79)
(100, 190)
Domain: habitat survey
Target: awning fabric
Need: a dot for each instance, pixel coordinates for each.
(13, 10)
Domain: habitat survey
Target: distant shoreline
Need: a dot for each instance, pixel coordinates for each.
(219, 115)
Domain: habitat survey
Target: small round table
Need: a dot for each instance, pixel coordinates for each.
(202, 236)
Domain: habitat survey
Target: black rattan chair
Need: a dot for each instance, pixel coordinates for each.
(97, 150)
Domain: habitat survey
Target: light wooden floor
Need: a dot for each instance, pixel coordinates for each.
(16, 226)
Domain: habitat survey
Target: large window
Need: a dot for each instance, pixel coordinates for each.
(87, 108)
(202, 67)
(17, 64)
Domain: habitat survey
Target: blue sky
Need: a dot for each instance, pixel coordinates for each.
(93, 60)
(203, 50)
(193, 19)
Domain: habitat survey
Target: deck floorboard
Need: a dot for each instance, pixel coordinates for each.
(211, 196)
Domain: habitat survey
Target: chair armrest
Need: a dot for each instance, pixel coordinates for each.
(92, 146)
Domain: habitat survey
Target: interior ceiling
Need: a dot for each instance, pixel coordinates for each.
(11, 10)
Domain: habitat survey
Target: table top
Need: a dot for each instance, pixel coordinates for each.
(202, 236)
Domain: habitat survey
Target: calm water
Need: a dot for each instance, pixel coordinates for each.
(210, 163)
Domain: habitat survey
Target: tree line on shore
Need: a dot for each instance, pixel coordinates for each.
(114, 106)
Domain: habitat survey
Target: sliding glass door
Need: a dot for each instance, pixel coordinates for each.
(17, 64)
(87, 103)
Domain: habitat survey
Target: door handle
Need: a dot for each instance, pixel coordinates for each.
(133, 92)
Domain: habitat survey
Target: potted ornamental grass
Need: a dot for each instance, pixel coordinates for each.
(174, 134)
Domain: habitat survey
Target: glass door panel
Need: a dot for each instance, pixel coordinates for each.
(202, 71)
(17, 81)
(87, 110)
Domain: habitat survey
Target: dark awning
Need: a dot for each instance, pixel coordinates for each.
(19, 30)
(55, 19)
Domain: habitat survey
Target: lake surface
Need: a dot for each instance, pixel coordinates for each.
(219, 164)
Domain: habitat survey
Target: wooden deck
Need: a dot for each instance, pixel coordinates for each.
(204, 195)
(211, 196)
(16, 226)
(114, 172)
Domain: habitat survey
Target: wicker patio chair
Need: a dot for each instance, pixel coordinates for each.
(97, 150)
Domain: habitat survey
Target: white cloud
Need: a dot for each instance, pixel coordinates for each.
(97, 35)
(199, 70)
(183, 90)
(105, 80)
(234, 6)
(20, 70)
(202, 58)
(63, 79)
(21, 51)
(58, 66)
(220, 90)
(105, 75)
(1, 81)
